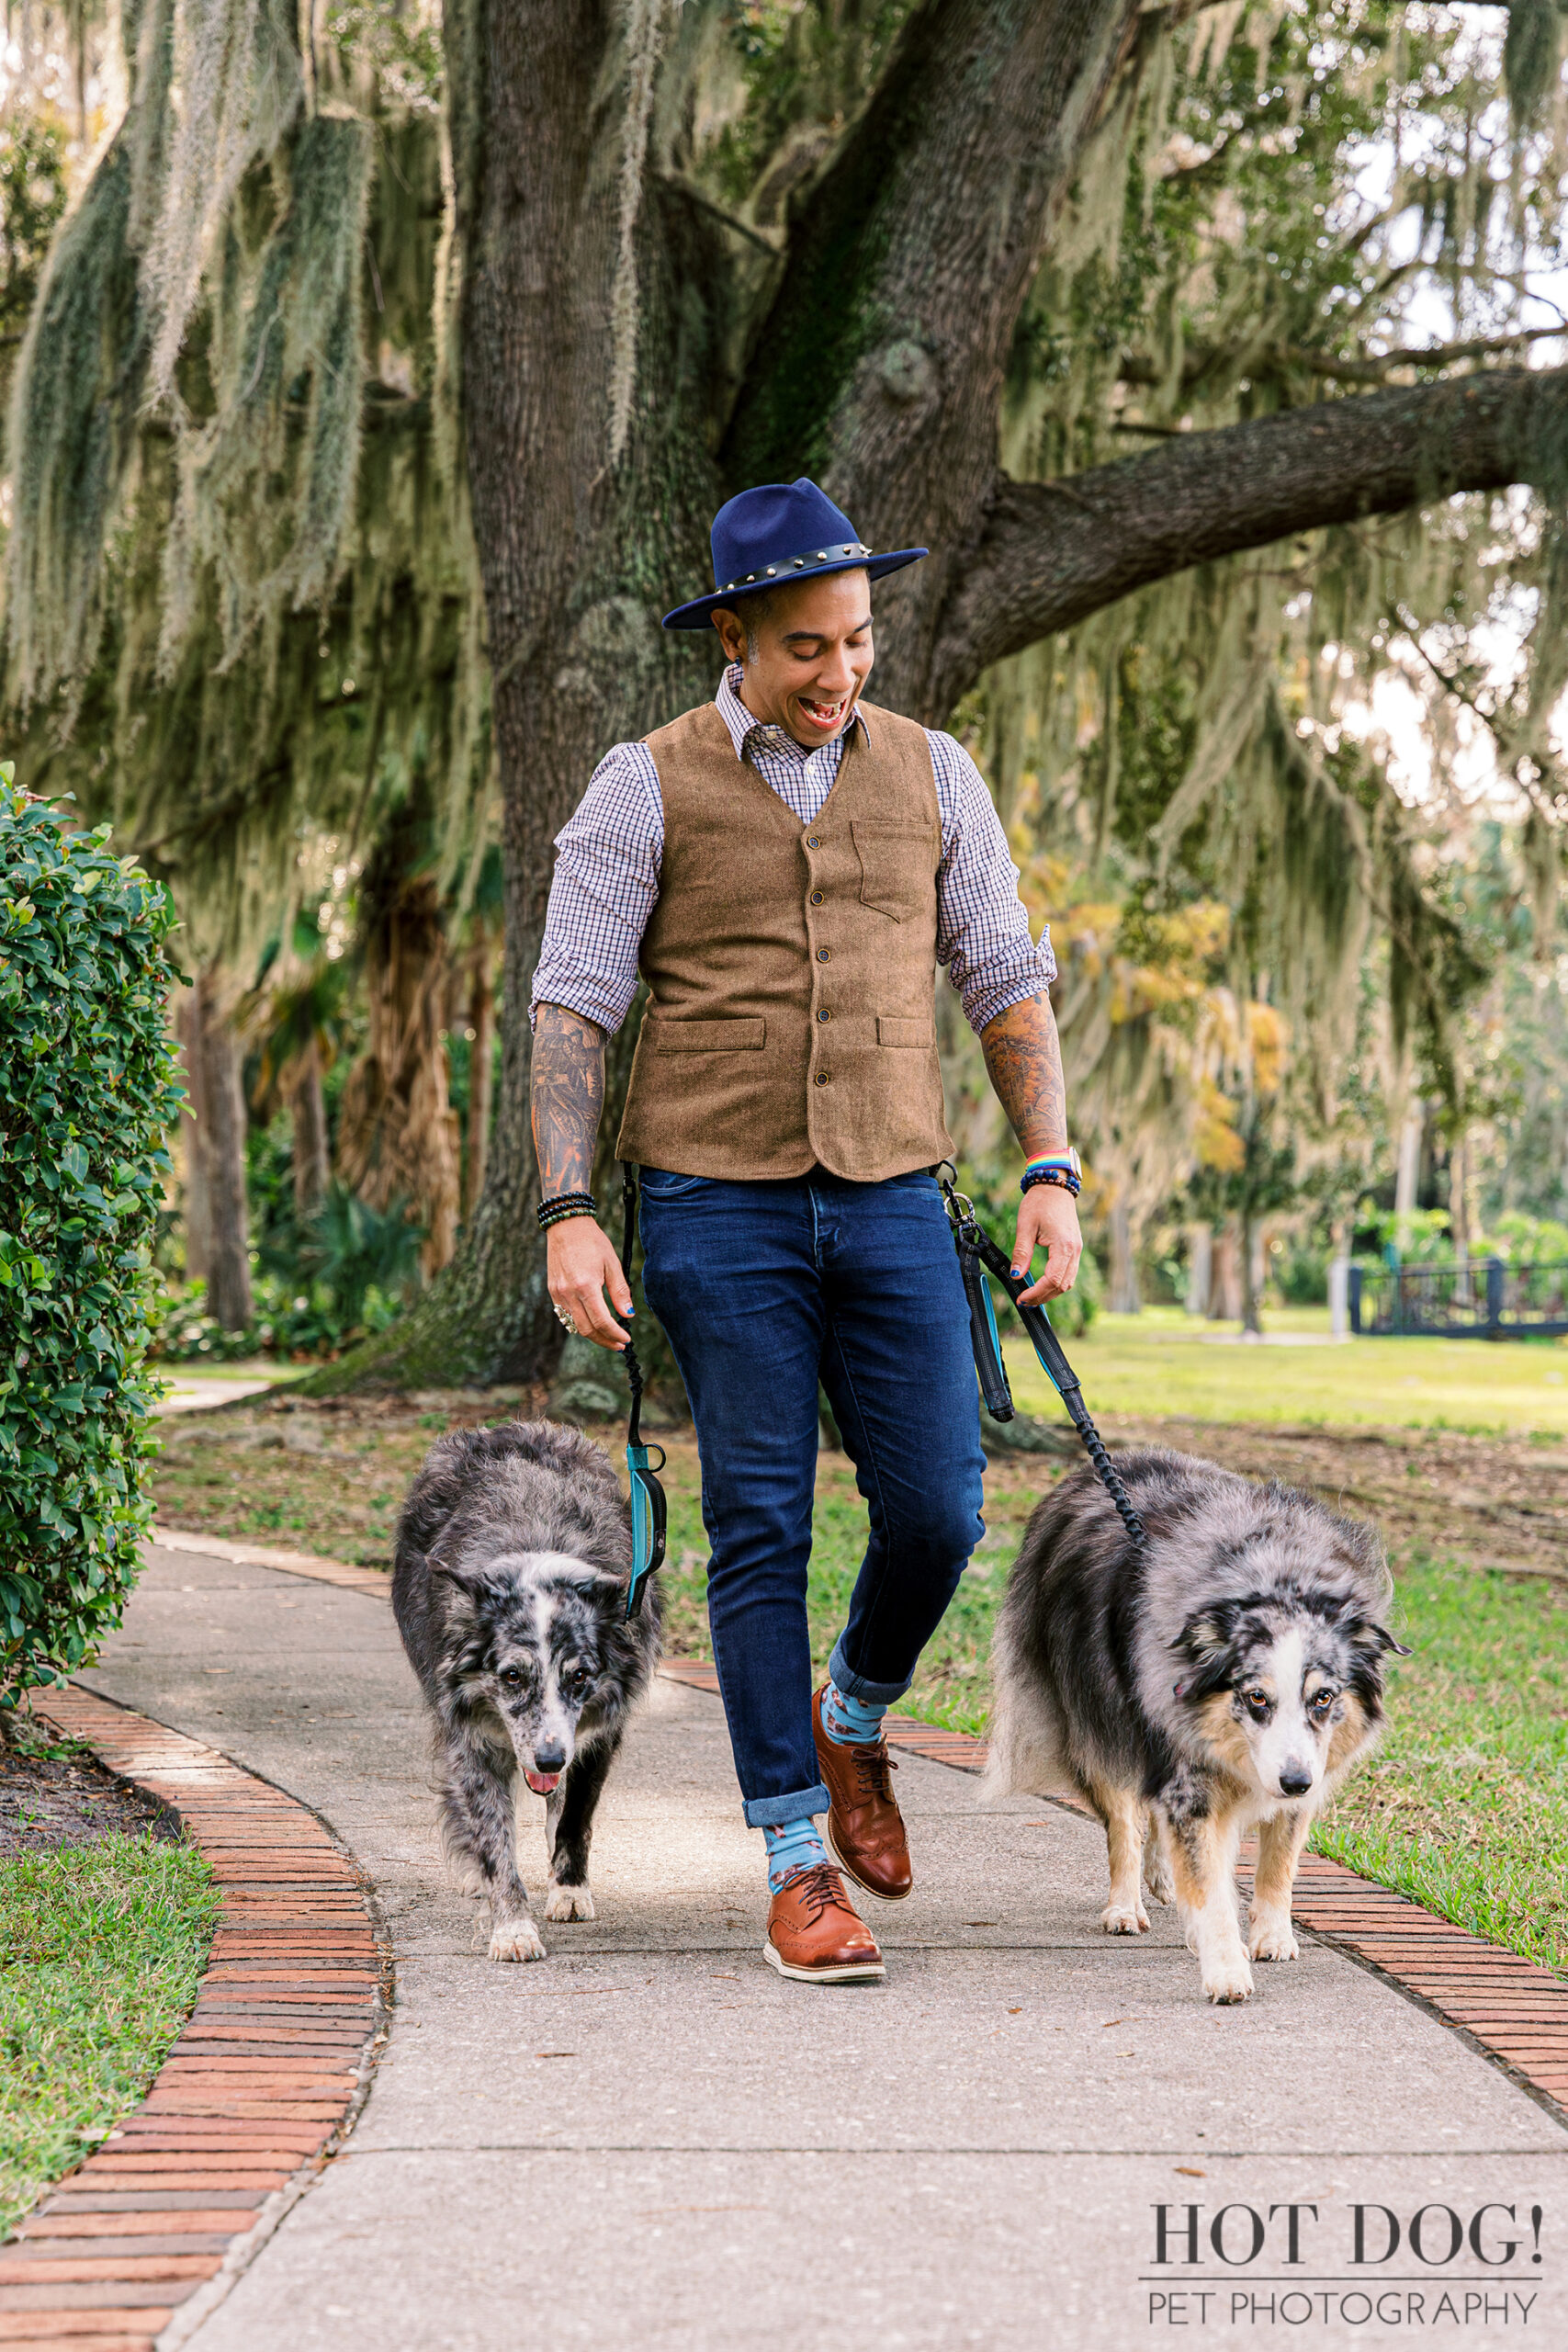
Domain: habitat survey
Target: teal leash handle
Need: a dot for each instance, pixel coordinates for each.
(649, 1508)
(983, 1334)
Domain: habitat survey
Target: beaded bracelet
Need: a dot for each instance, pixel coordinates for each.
(566, 1204)
(1053, 1175)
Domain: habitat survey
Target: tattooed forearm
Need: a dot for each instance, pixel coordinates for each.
(568, 1096)
(1024, 1057)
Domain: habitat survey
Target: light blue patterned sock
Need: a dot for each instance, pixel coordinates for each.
(850, 1723)
(793, 1845)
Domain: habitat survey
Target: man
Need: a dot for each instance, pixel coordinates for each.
(787, 865)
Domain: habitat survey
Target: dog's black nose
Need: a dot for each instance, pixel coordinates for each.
(1294, 1782)
(553, 1759)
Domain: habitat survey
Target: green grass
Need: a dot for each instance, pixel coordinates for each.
(1465, 1805)
(1163, 1361)
(101, 1951)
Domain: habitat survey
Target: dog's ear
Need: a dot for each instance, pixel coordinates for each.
(1207, 1630)
(469, 1586)
(1206, 1643)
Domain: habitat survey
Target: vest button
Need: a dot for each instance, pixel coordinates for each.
(812, 841)
(821, 1078)
(824, 954)
(824, 1016)
(817, 898)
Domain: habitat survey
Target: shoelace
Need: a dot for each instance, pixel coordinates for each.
(876, 1768)
(819, 1887)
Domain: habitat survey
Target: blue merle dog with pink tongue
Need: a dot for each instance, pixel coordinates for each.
(509, 1584)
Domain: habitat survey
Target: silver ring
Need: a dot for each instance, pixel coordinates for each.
(563, 1317)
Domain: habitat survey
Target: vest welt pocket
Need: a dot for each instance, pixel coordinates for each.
(897, 868)
(747, 1035)
(904, 1033)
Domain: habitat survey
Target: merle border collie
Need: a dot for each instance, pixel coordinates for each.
(509, 1584)
(1224, 1677)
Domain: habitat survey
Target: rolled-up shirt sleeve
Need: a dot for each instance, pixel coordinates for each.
(982, 931)
(605, 886)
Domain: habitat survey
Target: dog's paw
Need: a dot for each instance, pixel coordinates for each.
(515, 1939)
(1272, 1937)
(568, 1903)
(1228, 1980)
(1117, 1919)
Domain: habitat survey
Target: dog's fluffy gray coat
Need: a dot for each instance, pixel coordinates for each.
(509, 1584)
(1225, 1675)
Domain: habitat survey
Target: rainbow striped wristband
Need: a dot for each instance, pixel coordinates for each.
(1062, 1167)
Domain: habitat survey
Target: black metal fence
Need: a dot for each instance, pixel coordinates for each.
(1485, 1300)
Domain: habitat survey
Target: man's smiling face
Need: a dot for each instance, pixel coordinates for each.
(807, 653)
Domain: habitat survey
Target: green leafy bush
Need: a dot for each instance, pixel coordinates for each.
(86, 1092)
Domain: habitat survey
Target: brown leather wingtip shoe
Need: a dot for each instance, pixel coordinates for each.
(815, 1934)
(865, 1828)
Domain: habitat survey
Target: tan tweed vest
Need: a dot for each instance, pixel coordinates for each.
(792, 968)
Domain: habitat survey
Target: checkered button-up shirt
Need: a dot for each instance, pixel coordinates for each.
(609, 853)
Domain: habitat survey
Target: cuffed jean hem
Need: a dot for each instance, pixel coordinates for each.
(855, 1686)
(772, 1813)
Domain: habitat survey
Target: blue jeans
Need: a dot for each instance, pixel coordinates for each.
(764, 1290)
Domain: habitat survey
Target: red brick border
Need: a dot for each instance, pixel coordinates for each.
(257, 2085)
(1513, 2011)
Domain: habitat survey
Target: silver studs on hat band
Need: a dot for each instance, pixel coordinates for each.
(797, 563)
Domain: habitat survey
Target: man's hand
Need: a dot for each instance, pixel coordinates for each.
(580, 1263)
(1048, 1218)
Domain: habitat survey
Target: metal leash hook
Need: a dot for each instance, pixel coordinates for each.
(648, 1506)
(976, 1250)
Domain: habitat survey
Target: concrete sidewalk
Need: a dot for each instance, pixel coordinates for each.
(652, 2140)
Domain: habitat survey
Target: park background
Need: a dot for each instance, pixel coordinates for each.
(371, 379)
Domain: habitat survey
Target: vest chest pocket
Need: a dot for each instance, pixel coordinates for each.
(897, 868)
(740, 1034)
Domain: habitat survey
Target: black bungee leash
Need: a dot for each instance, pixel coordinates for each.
(648, 1507)
(976, 1250)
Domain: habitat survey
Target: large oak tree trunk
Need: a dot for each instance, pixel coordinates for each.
(963, 154)
(877, 366)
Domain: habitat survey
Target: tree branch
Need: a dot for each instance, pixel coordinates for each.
(1373, 368)
(1041, 565)
(879, 367)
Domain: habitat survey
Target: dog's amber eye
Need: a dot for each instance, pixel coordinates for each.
(511, 1677)
(1258, 1701)
(1321, 1701)
(578, 1680)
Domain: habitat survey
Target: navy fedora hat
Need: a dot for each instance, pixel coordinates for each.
(785, 531)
